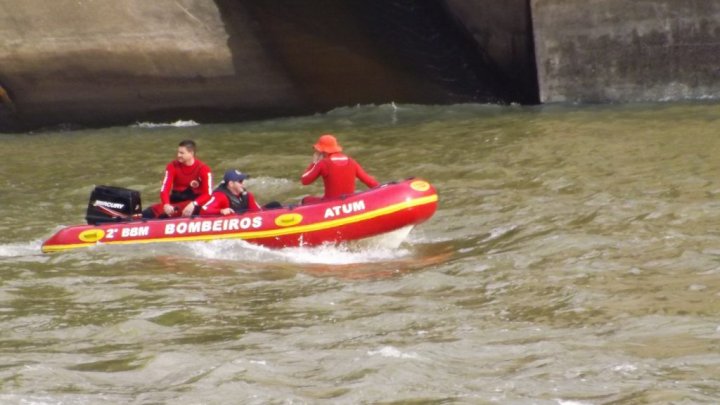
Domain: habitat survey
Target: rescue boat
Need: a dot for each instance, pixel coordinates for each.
(384, 209)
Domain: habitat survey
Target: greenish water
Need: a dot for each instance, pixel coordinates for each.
(574, 259)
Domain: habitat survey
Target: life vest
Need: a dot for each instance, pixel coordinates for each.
(179, 196)
(239, 204)
(189, 176)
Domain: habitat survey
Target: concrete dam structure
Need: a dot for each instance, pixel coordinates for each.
(92, 63)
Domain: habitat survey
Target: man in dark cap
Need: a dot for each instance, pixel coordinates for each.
(230, 197)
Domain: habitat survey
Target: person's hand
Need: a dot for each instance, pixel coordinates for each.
(227, 211)
(317, 156)
(168, 209)
(188, 210)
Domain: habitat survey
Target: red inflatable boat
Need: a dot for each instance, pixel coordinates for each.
(388, 208)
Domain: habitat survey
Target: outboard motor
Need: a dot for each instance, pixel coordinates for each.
(113, 204)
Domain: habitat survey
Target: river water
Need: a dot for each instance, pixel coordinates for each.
(574, 259)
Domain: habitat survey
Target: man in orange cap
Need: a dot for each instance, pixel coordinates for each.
(337, 170)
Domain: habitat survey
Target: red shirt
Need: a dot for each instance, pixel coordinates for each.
(338, 172)
(179, 177)
(219, 200)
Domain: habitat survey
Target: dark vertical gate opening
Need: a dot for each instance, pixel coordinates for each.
(412, 51)
(533, 90)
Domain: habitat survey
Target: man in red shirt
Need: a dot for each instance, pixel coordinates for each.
(186, 179)
(230, 197)
(337, 170)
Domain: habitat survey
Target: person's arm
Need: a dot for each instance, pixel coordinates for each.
(205, 190)
(252, 203)
(313, 171)
(214, 206)
(364, 177)
(203, 199)
(167, 184)
(166, 189)
(206, 181)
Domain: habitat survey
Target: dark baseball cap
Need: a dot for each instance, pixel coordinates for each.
(234, 175)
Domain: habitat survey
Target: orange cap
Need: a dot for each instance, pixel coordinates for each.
(327, 144)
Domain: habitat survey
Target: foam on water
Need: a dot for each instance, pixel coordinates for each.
(238, 250)
(389, 351)
(225, 250)
(176, 124)
(264, 185)
(21, 250)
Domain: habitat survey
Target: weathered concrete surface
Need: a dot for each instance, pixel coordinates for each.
(97, 62)
(94, 62)
(503, 36)
(620, 50)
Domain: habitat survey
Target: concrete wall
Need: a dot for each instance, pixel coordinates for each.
(624, 51)
(99, 62)
(86, 61)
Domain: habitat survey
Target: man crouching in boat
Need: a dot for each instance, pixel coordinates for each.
(337, 170)
(187, 178)
(230, 197)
